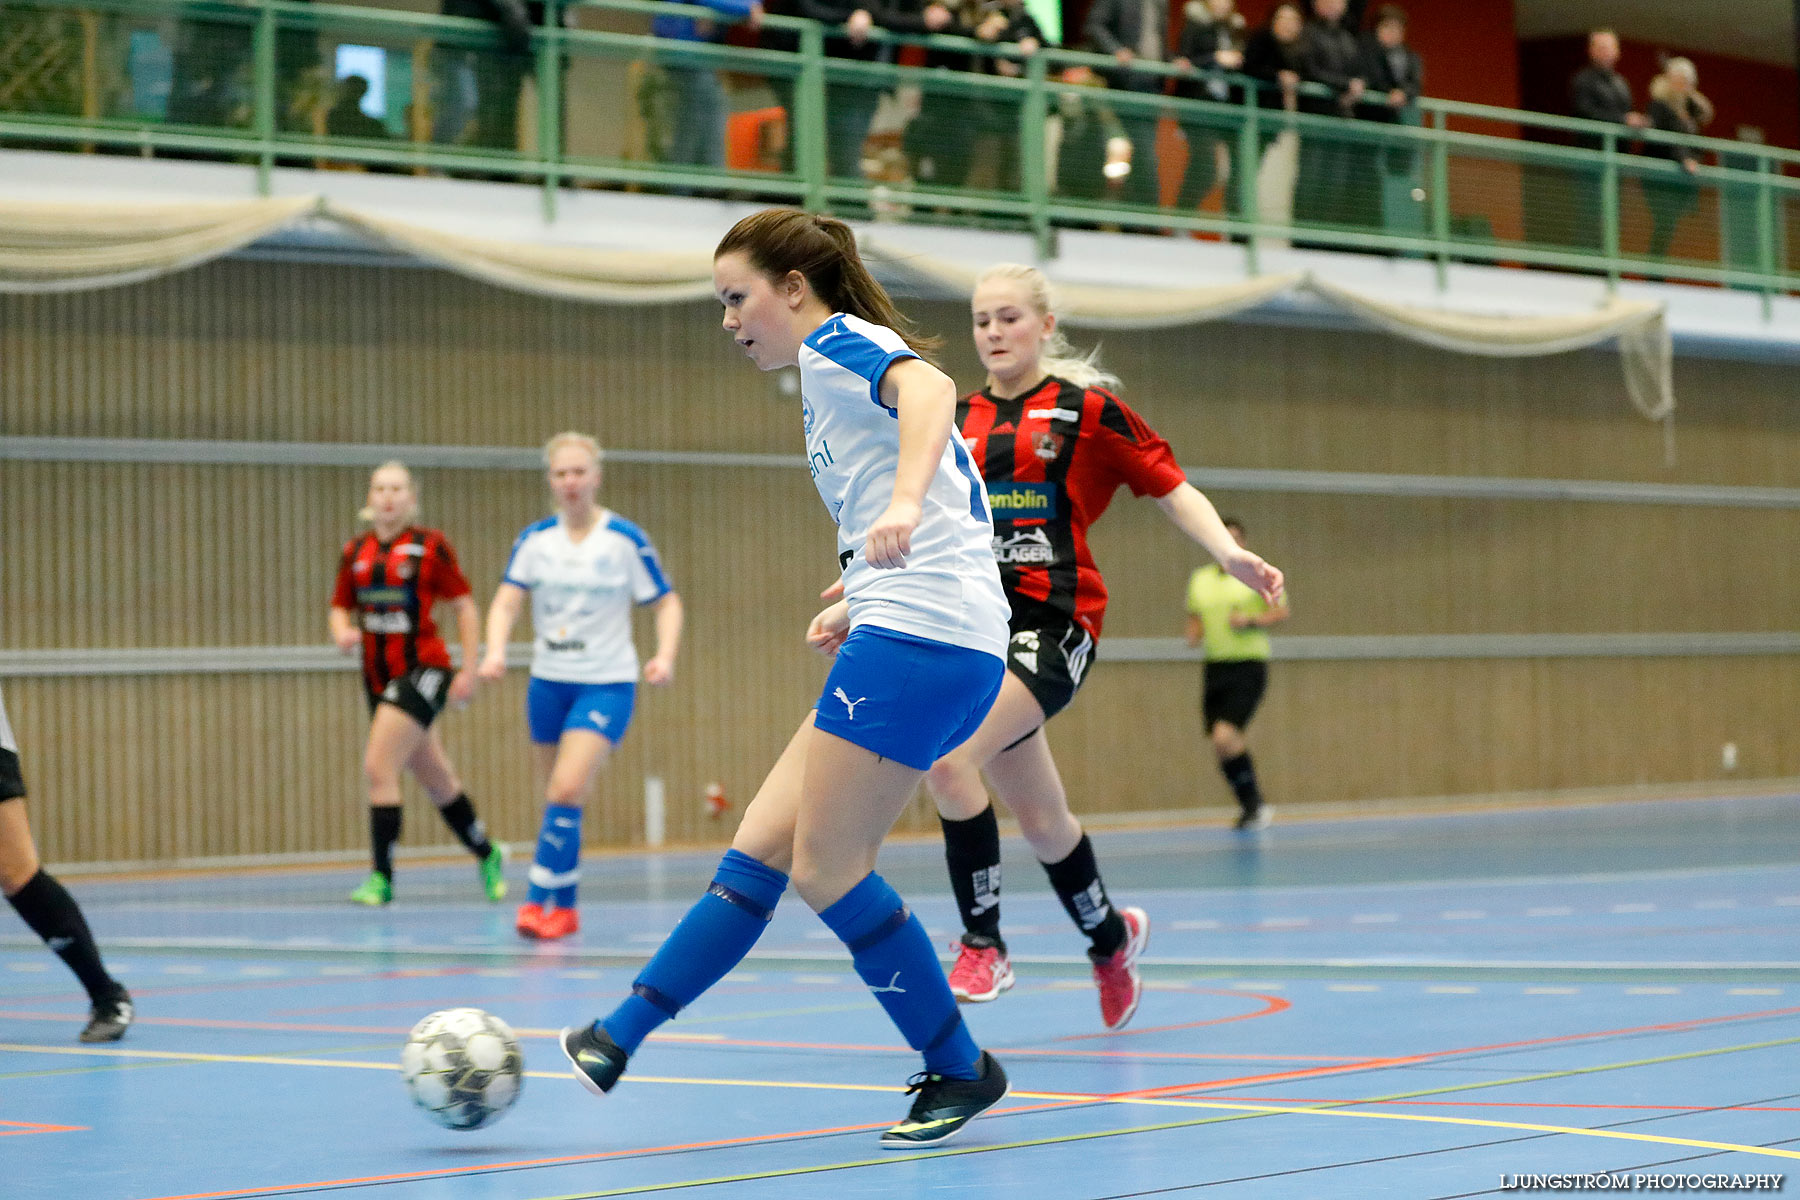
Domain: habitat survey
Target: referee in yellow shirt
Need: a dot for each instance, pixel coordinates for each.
(1228, 621)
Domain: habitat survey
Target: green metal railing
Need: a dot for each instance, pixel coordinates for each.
(1029, 149)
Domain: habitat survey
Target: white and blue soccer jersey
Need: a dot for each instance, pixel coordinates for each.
(582, 593)
(949, 591)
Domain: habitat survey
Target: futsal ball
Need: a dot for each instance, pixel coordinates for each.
(463, 1067)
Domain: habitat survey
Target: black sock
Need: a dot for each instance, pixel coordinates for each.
(972, 848)
(1240, 773)
(460, 816)
(1077, 883)
(54, 916)
(384, 831)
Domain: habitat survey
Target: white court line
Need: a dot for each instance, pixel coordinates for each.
(1451, 989)
(1652, 991)
(1634, 908)
(1193, 925)
(1463, 914)
(1552, 911)
(1552, 991)
(1374, 918)
(1352, 987)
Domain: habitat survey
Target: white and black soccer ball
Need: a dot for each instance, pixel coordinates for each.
(463, 1067)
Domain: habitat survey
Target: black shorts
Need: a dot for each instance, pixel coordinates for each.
(12, 779)
(421, 694)
(1230, 691)
(1050, 655)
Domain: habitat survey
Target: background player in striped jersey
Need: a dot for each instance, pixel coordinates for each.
(387, 583)
(917, 645)
(46, 905)
(1053, 444)
(584, 569)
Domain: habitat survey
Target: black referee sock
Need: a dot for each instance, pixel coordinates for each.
(1240, 773)
(1077, 883)
(972, 848)
(54, 916)
(460, 816)
(384, 831)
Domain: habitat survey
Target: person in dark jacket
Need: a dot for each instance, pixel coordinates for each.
(1333, 185)
(1273, 56)
(697, 134)
(346, 117)
(1133, 31)
(1597, 93)
(1394, 73)
(1211, 46)
(477, 94)
(849, 107)
(941, 138)
(1676, 106)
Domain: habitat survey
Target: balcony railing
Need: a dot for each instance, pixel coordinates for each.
(1035, 146)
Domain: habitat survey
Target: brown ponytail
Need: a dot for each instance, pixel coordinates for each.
(823, 249)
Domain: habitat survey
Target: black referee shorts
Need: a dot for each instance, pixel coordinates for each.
(1230, 691)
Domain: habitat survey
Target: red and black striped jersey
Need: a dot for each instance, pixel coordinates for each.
(1052, 460)
(391, 587)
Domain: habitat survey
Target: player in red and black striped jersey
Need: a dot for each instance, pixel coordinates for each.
(1054, 445)
(388, 581)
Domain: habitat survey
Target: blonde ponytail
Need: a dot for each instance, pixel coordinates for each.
(366, 514)
(1057, 356)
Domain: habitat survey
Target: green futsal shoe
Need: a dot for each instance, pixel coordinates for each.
(493, 873)
(375, 891)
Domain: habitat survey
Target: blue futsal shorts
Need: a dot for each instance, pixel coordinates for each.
(553, 707)
(907, 698)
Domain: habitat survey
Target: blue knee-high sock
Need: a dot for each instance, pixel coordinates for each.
(713, 938)
(557, 866)
(893, 955)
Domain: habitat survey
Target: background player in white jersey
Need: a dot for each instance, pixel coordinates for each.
(585, 569)
(47, 906)
(918, 645)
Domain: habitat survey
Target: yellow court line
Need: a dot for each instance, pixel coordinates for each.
(1245, 1110)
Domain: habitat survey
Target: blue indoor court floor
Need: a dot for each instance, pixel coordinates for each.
(1413, 1006)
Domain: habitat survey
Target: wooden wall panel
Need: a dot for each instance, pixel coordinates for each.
(156, 768)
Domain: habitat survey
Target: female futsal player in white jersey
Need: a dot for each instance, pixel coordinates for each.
(918, 641)
(584, 569)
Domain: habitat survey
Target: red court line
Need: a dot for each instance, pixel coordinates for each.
(563, 1160)
(1694, 1108)
(1437, 1055)
(1271, 1006)
(25, 1128)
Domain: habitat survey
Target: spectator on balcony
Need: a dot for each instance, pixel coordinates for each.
(1333, 187)
(476, 100)
(1084, 129)
(1676, 106)
(698, 120)
(939, 141)
(1212, 48)
(1395, 73)
(1273, 58)
(1133, 32)
(212, 77)
(346, 118)
(1003, 22)
(1597, 93)
(849, 105)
